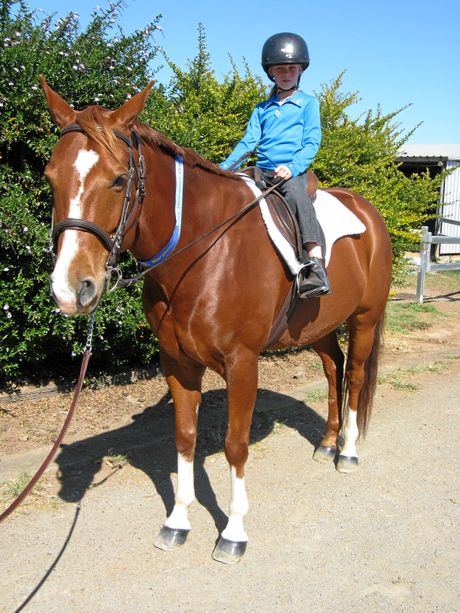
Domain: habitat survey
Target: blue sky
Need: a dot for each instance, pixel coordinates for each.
(394, 52)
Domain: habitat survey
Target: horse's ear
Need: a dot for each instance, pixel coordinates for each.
(127, 114)
(61, 111)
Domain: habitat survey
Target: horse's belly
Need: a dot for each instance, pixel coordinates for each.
(314, 319)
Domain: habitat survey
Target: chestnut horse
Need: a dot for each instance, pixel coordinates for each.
(211, 302)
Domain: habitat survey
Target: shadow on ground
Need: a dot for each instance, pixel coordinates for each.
(148, 444)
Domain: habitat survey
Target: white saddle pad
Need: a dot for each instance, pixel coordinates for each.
(333, 216)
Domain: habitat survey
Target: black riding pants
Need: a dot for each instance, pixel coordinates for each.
(295, 193)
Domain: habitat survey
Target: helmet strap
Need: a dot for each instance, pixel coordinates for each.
(280, 89)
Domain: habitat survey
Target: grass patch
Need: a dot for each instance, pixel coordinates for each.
(316, 396)
(116, 460)
(39, 497)
(446, 280)
(400, 378)
(409, 317)
(404, 386)
(13, 488)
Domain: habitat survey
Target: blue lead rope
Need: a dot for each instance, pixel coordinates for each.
(172, 243)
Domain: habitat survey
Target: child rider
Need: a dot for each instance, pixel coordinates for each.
(286, 130)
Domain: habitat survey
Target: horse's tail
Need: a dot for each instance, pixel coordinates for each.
(366, 396)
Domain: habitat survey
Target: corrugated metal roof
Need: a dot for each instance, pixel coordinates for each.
(451, 152)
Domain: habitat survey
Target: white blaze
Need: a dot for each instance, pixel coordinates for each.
(85, 160)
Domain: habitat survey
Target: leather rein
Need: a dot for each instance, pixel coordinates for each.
(113, 242)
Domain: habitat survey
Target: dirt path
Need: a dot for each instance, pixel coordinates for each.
(383, 539)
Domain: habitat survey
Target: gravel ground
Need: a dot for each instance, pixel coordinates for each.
(382, 539)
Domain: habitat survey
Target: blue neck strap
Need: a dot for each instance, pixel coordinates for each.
(171, 245)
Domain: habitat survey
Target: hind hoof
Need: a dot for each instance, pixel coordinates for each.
(229, 552)
(325, 454)
(169, 539)
(347, 464)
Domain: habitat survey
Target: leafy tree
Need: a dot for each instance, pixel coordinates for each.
(199, 112)
(360, 154)
(97, 65)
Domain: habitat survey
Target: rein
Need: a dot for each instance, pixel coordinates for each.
(129, 282)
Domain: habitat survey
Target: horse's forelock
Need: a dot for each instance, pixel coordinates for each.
(93, 120)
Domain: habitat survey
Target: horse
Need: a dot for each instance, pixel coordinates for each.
(213, 287)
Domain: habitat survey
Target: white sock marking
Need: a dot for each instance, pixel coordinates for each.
(185, 495)
(350, 434)
(239, 506)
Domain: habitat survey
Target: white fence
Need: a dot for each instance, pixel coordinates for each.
(425, 256)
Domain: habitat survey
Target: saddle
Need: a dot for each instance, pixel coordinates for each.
(287, 225)
(279, 209)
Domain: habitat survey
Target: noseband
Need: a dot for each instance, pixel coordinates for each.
(112, 242)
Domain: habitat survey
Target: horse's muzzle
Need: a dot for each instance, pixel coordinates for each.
(82, 300)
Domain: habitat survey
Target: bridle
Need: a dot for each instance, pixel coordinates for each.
(112, 242)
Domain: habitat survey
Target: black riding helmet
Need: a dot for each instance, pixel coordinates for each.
(284, 48)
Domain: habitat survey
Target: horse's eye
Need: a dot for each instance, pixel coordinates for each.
(119, 182)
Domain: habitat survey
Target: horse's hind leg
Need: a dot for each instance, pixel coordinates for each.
(241, 378)
(361, 375)
(332, 357)
(185, 386)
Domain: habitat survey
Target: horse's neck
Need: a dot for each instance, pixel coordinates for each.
(204, 201)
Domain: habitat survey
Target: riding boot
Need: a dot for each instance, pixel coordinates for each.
(312, 279)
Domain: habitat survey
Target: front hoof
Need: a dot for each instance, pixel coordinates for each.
(169, 539)
(347, 464)
(325, 454)
(229, 552)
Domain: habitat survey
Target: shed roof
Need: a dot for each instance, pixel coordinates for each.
(449, 152)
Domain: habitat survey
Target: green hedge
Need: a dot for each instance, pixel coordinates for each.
(101, 64)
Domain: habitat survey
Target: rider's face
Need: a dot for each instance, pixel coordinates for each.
(286, 75)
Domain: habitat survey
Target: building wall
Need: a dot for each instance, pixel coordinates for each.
(450, 199)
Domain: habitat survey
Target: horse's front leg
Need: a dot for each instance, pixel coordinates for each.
(185, 387)
(241, 378)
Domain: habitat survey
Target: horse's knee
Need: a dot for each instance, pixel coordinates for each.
(186, 442)
(236, 453)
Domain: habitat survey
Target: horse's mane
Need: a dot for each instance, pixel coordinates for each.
(190, 156)
(93, 120)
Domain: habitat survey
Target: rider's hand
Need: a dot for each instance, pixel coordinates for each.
(282, 172)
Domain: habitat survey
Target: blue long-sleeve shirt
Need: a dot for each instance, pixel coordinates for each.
(287, 133)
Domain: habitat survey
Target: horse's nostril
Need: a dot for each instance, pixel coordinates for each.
(87, 292)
